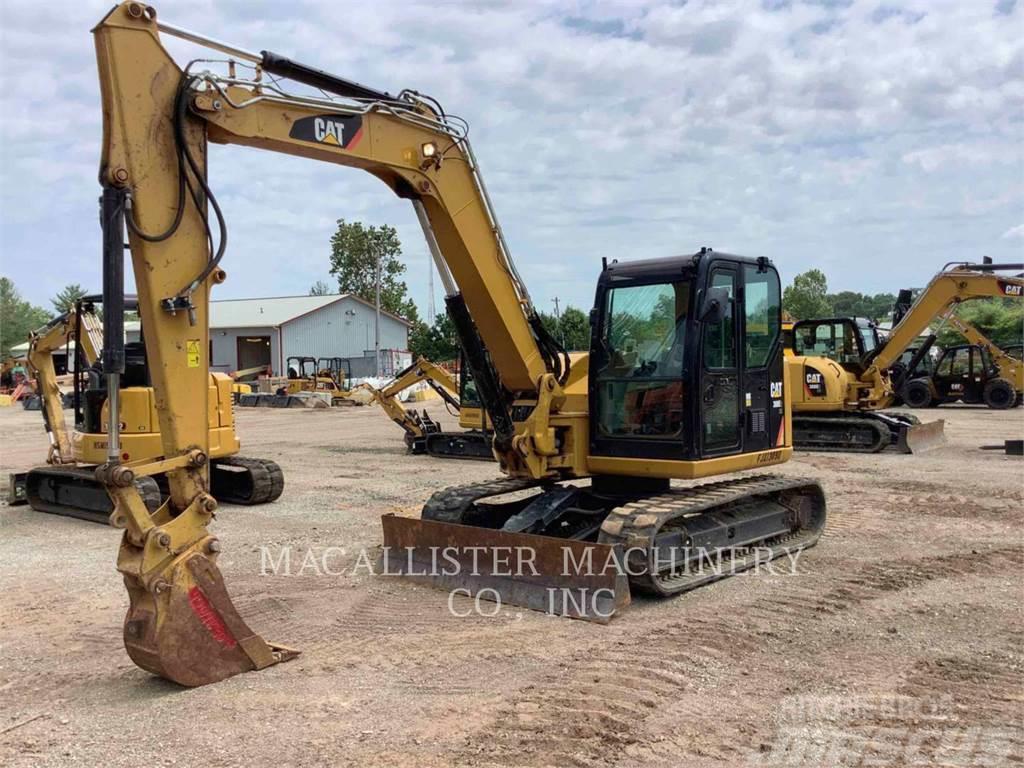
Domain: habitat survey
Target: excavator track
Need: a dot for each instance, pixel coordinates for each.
(459, 445)
(869, 432)
(457, 504)
(849, 434)
(74, 492)
(664, 543)
(749, 521)
(242, 480)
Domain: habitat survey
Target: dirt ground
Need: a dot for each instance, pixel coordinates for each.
(899, 639)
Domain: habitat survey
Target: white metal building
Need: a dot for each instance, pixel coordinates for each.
(245, 333)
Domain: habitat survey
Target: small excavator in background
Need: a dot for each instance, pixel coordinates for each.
(843, 376)
(423, 435)
(67, 484)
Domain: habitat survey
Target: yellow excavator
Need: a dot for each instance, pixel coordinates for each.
(684, 378)
(423, 435)
(67, 484)
(842, 377)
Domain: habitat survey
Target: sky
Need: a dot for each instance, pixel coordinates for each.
(873, 140)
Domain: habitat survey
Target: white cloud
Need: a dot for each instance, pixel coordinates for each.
(1014, 233)
(877, 142)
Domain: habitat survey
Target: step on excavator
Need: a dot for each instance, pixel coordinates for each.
(684, 378)
(423, 435)
(67, 485)
(843, 378)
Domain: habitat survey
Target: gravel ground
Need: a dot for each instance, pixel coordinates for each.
(898, 640)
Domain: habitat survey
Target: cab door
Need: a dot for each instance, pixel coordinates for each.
(720, 368)
(974, 380)
(761, 359)
(951, 373)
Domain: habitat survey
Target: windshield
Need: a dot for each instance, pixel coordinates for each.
(867, 336)
(643, 340)
(645, 329)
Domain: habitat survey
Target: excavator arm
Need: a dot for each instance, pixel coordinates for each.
(1010, 368)
(940, 298)
(439, 380)
(157, 121)
(78, 323)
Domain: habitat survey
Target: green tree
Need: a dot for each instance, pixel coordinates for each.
(18, 317)
(807, 298)
(574, 330)
(355, 250)
(65, 300)
(437, 343)
(320, 288)
(847, 303)
(853, 304)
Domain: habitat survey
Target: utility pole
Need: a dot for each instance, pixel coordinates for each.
(558, 319)
(376, 326)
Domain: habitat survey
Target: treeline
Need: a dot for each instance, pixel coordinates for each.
(1002, 320)
(808, 298)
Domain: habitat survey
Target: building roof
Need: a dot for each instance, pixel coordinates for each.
(274, 311)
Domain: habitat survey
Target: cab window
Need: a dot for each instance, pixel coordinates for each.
(643, 338)
(762, 305)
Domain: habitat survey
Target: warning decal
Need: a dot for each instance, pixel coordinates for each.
(192, 348)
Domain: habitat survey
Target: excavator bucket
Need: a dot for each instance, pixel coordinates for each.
(564, 577)
(920, 438)
(184, 627)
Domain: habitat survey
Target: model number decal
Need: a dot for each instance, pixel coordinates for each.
(814, 382)
(770, 457)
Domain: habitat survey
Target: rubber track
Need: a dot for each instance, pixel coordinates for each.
(882, 434)
(437, 442)
(452, 504)
(267, 480)
(147, 487)
(636, 524)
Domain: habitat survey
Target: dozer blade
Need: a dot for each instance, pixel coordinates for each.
(185, 628)
(920, 438)
(577, 579)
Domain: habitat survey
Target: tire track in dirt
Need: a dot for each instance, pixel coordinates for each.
(593, 710)
(984, 691)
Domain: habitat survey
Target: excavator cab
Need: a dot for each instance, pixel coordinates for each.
(846, 340)
(686, 358)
